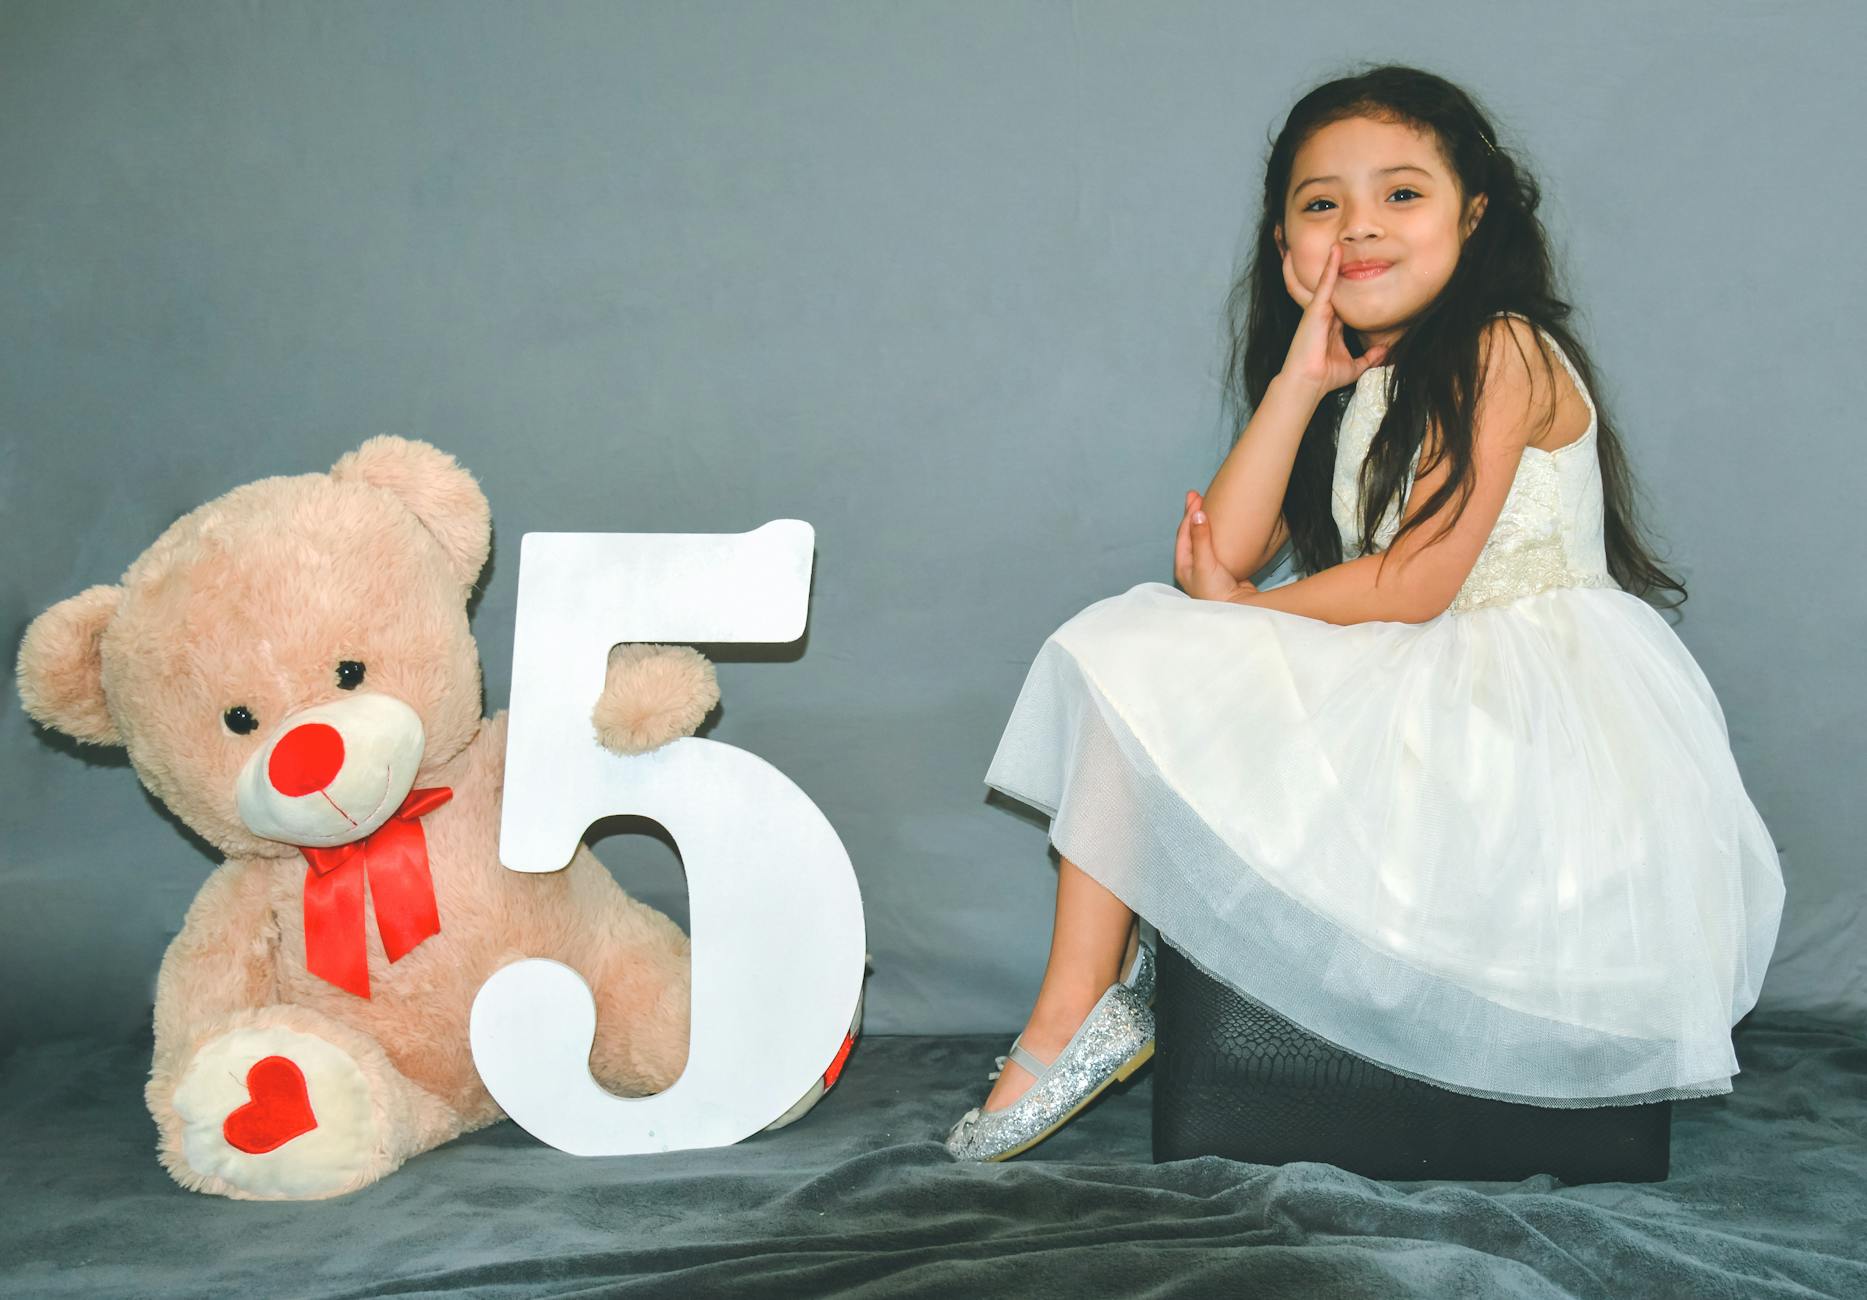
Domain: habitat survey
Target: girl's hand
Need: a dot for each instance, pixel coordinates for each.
(1196, 566)
(1318, 354)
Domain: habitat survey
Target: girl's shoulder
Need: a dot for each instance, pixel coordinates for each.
(1576, 417)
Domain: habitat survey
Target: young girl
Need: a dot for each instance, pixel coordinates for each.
(1460, 801)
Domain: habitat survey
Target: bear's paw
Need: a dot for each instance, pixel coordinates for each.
(277, 1114)
(651, 695)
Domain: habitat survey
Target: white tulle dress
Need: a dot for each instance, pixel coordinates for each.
(1506, 850)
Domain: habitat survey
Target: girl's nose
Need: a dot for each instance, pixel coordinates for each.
(1360, 223)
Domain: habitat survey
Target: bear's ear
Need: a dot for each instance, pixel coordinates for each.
(431, 483)
(61, 666)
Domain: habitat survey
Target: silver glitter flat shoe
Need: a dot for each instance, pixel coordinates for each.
(1115, 1039)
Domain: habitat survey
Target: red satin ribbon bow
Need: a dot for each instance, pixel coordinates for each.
(395, 856)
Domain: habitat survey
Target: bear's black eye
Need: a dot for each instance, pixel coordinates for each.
(349, 675)
(239, 719)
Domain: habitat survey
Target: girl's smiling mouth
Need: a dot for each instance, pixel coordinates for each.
(1362, 270)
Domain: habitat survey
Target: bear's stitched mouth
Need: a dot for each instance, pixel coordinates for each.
(340, 811)
(388, 783)
(388, 780)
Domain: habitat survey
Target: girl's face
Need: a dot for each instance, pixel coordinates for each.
(1382, 191)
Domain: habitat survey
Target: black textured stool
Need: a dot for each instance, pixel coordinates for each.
(1233, 1078)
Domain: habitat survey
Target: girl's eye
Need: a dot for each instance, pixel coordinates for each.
(1311, 205)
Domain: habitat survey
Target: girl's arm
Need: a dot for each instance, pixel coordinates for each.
(1245, 501)
(1342, 594)
(1244, 504)
(1423, 571)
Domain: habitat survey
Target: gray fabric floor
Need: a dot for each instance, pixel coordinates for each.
(1768, 1197)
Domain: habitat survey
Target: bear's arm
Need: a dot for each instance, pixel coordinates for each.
(223, 960)
(651, 695)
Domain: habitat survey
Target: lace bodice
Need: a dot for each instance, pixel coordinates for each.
(1549, 533)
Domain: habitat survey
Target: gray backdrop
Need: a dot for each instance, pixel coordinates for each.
(944, 280)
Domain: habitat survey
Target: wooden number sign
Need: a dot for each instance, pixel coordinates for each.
(775, 916)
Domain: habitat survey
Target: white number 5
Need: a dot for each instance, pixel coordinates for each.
(775, 916)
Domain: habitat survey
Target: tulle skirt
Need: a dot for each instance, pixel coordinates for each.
(1507, 851)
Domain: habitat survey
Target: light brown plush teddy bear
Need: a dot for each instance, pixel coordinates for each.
(291, 670)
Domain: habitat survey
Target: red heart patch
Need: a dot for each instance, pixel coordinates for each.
(280, 1109)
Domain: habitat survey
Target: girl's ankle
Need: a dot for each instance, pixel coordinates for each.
(1055, 1020)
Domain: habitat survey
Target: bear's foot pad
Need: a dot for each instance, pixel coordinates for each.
(277, 1113)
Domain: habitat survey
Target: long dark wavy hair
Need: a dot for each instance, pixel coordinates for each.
(1503, 266)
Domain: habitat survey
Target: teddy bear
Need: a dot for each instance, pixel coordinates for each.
(291, 671)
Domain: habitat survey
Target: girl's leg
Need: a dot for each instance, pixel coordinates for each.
(1092, 944)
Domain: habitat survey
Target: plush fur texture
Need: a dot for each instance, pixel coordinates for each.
(253, 600)
(651, 693)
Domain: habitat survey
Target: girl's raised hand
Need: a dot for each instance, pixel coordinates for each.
(1196, 566)
(1318, 353)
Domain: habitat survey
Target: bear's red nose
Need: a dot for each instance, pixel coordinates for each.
(306, 759)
